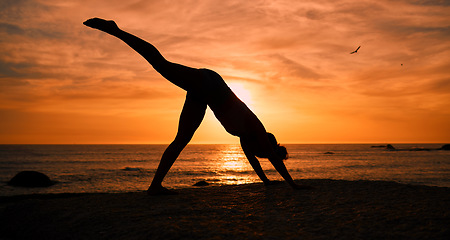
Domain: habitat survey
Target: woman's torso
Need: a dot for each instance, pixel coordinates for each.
(232, 113)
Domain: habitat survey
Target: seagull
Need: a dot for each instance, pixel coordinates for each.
(355, 50)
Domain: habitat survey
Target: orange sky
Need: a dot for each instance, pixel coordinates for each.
(61, 82)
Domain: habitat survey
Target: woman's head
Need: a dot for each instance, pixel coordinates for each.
(279, 150)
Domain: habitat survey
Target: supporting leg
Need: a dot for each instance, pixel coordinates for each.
(190, 119)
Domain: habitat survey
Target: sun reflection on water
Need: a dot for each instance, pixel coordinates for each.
(232, 166)
(232, 158)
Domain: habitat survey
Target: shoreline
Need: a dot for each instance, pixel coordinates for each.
(335, 209)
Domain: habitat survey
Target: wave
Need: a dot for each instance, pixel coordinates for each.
(133, 169)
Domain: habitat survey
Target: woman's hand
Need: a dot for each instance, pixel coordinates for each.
(107, 26)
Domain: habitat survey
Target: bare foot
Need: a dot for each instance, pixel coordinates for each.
(107, 26)
(154, 191)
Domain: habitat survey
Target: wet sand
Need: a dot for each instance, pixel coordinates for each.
(333, 210)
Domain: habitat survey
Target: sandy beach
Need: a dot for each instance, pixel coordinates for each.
(333, 210)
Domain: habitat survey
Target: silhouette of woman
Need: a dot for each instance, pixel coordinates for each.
(204, 88)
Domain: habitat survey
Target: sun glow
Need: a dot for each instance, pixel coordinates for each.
(241, 92)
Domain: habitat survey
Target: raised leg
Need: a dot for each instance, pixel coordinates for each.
(190, 119)
(182, 76)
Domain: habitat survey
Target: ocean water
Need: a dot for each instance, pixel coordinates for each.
(125, 168)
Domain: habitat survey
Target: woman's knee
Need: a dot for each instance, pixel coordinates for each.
(181, 140)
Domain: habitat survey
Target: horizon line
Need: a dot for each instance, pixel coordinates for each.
(200, 143)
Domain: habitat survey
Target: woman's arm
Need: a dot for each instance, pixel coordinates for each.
(254, 162)
(265, 149)
(282, 170)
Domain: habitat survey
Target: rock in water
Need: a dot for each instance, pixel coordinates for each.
(390, 147)
(201, 184)
(445, 147)
(31, 179)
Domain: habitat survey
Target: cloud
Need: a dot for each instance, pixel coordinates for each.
(11, 29)
(15, 70)
(441, 86)
(445, 3)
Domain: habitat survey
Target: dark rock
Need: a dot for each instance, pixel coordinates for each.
(31, 179)
(378, 146)
(132, 169)
(390, 147)
(419, 149)
(201, 184)
(445, 147)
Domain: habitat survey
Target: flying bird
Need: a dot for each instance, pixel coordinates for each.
(355, 50)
